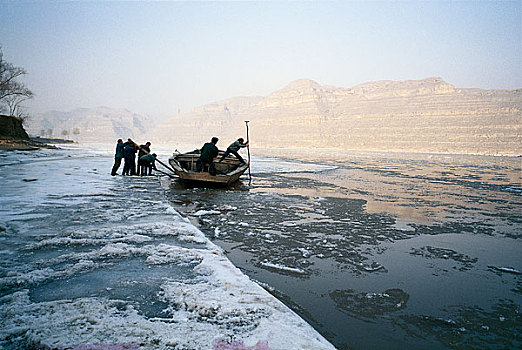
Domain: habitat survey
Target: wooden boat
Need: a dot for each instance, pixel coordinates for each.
(228, 171)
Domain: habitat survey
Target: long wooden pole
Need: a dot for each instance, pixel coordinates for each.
(159, 161)
(248, 152)
(165, 173)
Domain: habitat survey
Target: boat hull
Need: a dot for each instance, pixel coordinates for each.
(205, 177)
(229, 171)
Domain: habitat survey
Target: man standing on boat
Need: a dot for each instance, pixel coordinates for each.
(117, 157)
(234, 148)
(208, 152)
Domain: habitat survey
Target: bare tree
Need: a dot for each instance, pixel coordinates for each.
(12, 91)
(14, 104)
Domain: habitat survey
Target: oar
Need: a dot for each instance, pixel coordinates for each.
(159, 161)
(248, 152)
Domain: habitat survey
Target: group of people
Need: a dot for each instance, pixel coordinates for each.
(209, 151)
(146, 161)
(127, 151)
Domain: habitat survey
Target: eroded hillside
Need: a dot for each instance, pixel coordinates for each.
(426, 115)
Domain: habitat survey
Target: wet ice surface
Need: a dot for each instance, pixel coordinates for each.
(379, 250)
(87, 258)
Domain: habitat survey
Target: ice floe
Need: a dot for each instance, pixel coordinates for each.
(506, 269)
(283, 268)
(206, 212)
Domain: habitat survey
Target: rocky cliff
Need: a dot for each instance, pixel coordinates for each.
(11, 127)
(426, 115)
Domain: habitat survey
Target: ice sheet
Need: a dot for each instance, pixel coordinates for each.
(95, 259)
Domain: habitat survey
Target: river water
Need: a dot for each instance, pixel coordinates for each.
(379, 250)
(374, 250)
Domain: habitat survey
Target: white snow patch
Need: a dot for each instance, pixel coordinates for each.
(168, 254)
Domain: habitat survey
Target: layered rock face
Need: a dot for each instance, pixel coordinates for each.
(427, 115)
(100, 124)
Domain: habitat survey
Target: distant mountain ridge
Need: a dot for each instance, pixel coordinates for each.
(428, 115)
(101, 124)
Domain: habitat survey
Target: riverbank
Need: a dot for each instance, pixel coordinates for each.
(14, 137)
(14, 144)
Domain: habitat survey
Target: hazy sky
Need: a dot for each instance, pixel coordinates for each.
(157, 57)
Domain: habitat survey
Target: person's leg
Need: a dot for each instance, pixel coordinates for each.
(133, 167)
(238, 156)
(212, 168)
(227, 152)
(117, 163)
(199, 165)
(126, 167)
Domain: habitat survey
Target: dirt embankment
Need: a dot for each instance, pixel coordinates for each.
(14, 137)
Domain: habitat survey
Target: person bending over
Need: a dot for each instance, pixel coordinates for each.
(142, 150)
(147, 162)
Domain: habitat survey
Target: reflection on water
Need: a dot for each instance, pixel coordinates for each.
(379, 250)
(433, 189)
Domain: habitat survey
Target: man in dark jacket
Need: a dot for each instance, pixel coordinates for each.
(129, 155)
(117, 157)
(234, 148)
(142, 150)
(208, 152)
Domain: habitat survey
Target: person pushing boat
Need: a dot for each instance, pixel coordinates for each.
(147, 163)
(118, 157)
(234, 148)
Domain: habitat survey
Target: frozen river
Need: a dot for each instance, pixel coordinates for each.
(373, 250)
(86, 258)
